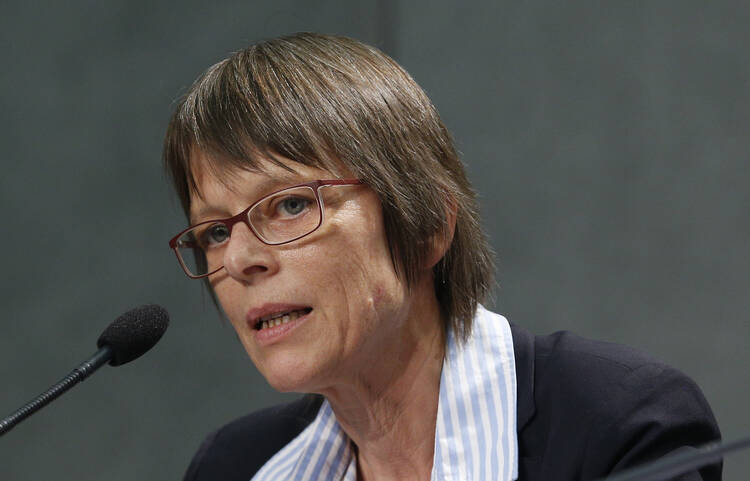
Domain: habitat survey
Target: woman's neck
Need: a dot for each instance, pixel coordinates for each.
(389, 409)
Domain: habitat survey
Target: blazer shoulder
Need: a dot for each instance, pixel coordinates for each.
(240, 448)
(565, 373)
(606, 407)
(602, 377)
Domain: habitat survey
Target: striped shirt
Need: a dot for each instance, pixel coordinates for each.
(475, 435)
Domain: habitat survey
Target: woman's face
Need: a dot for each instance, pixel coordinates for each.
(338, 286)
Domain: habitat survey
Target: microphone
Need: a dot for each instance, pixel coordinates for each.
(680, 462)
(125, 339)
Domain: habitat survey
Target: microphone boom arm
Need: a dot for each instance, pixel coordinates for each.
(84, 370)
(679, 463)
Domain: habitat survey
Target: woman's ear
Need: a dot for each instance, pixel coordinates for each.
(441, 241)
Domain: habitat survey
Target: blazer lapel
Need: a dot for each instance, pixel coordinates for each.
(523, 351)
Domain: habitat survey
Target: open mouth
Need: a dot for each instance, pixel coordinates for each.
(280, 318)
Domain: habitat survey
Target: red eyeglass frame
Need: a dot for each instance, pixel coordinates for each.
(229, 222)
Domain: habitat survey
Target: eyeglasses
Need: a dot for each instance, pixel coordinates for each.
(278, 218)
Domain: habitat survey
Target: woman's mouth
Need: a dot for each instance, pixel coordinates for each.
(280, 318)
(277, 326)
(273, 322)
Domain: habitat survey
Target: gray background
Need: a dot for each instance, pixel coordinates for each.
(608, 141)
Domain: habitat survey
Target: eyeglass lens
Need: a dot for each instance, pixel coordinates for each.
(279, 218)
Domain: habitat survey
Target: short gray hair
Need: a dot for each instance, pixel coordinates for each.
(333, 102)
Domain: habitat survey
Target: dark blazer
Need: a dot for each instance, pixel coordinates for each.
(585, 409)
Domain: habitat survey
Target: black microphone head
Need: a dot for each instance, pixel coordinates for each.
(134, 333)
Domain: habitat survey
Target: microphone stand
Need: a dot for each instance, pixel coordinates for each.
(679, 463)
(84, 370)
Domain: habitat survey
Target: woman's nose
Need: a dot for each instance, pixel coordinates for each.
(246, 258)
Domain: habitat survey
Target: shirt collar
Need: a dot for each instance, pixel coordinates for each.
(475, 437)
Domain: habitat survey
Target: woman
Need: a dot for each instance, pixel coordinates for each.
(333, 222)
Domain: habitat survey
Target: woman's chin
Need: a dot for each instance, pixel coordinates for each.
(290, 384)
(292, 377)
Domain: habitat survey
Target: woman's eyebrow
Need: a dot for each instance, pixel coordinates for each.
(263, 188)
(205, 213)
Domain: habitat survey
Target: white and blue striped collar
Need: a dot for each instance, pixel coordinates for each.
(475, 437)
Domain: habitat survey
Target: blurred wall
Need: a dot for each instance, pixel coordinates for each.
(607, 141)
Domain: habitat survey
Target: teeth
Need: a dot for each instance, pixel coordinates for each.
(280, 319)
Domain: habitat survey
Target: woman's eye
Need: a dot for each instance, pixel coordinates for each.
(215, 234)
(293, 205)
